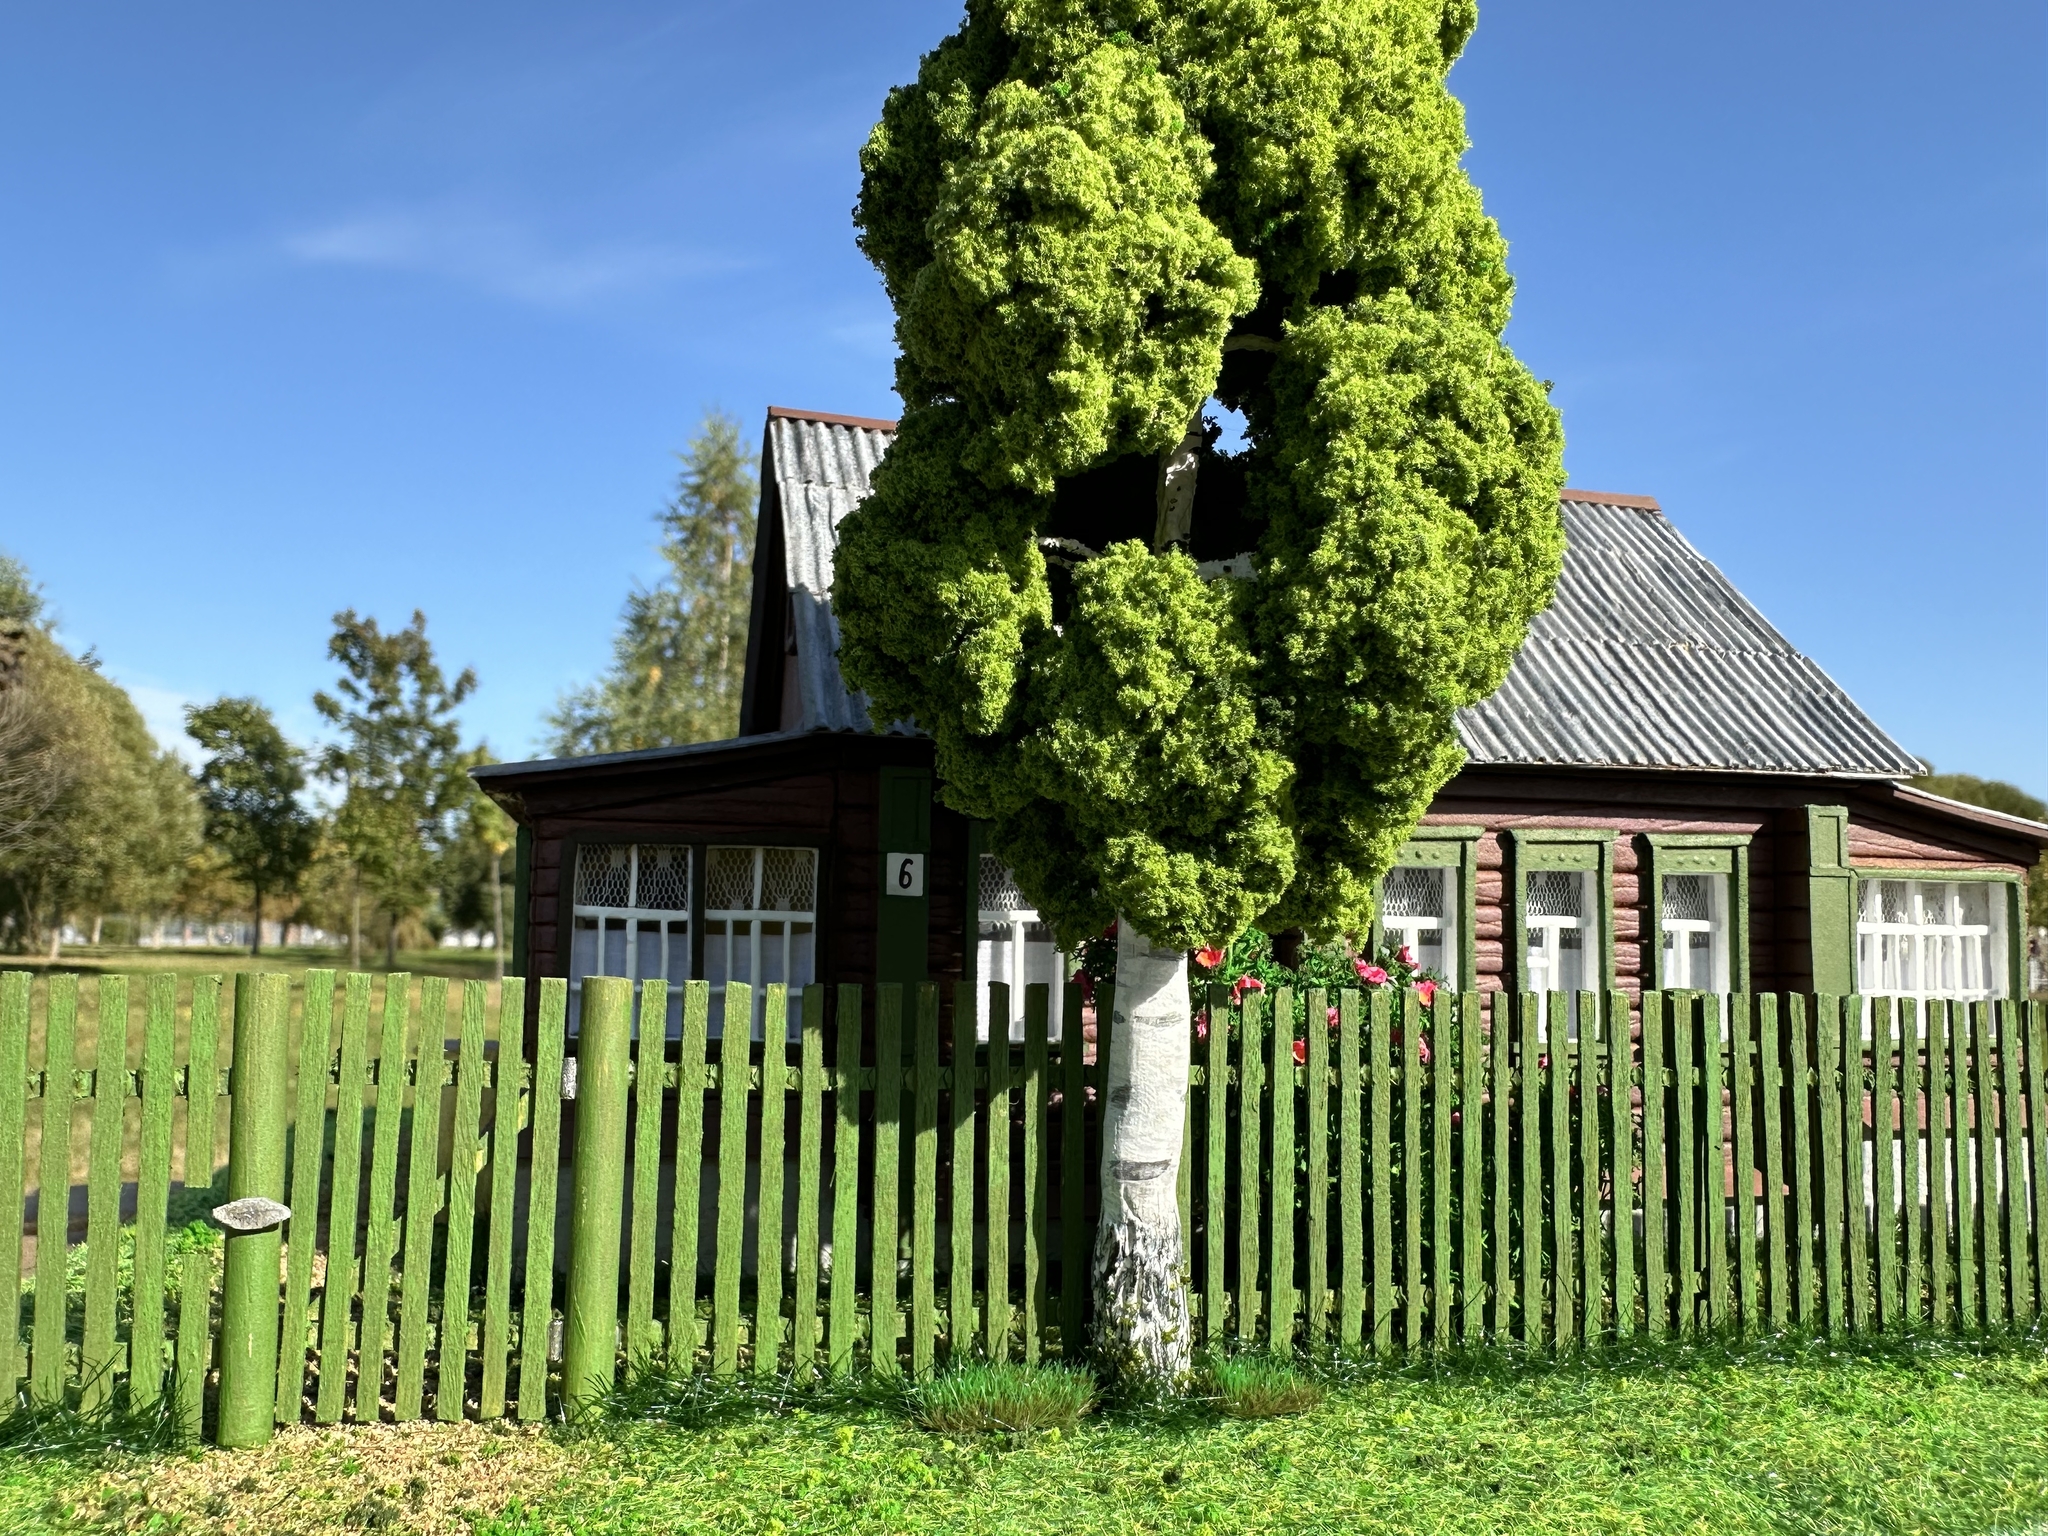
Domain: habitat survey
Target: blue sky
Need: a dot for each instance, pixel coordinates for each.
(405, 306)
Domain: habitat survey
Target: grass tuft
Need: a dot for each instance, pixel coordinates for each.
(41, 1429)
(1003, 1399)
(1261, 1387)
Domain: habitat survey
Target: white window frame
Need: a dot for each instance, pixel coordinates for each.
(1678, 956)
(1407, 931)
(1545, 933)
(1019, 920)
(633, 917)
(754, 917)
(1972, 959)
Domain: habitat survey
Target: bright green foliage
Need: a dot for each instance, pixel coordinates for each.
(680, 651)
(249, 794)
(1091, 216)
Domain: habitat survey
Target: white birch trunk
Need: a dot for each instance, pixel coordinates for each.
(1141, 1303)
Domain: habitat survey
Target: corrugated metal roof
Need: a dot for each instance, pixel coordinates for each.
(1649, 658)
(820, 469)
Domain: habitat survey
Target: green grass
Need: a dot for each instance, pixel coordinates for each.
(1258, 1387)
(1785, 1437)
(982, 1398)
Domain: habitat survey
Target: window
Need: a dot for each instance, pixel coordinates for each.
(1693, 915)
(1418, 912)
(1931, 938)
(631, 918)
(1561, 922)
(1012, 946)
(760, 924)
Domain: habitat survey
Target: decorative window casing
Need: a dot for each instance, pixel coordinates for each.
(760, 924)
(1014, 947)
(1932, 938)
(1561, 921)
(1419, 912)
(1426, 902)
(631, 918)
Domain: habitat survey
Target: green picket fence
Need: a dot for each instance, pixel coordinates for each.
(873, 1190)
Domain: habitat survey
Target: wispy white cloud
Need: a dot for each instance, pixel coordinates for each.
(498, 255)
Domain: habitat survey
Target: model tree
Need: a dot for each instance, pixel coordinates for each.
(1191, 690)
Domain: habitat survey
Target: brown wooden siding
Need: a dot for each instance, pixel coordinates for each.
(824, 790)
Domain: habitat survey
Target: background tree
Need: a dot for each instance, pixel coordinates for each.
(679, 656)
(473, 890)
(1997, 795)
(400, 764)
(1089, 217)
(94, 818)
(249, 792)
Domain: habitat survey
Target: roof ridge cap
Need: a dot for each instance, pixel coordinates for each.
(830, 418)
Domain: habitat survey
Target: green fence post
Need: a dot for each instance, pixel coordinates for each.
(590, 1339)
(250, 1290)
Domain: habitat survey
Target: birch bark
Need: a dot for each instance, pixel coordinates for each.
(1141, 1303)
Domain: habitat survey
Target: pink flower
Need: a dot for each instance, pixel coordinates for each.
(1426, 990)
(1243, 985)
(1330, 1016)
(1202, 1025)
(1371, 975)
(1405, 956)
(1301, 1053)
(1208, 957)
(1422, 1049)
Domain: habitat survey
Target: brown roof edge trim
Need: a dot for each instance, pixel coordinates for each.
(1610, 499)
(831, 418)
(1962, 810)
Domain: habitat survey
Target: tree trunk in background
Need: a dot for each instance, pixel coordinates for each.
(1141, 1303)
(391, 946)
(98, 921)
(56, 934)
(256, 928)
(497, 914)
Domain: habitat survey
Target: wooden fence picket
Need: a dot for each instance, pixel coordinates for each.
(507, 1090)
(537, 1303)
(768, 1277)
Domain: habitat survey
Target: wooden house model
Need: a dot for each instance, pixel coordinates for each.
(1664, 793)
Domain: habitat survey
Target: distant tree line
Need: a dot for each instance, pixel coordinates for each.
(379, 835)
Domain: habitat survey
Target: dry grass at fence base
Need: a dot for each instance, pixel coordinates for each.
(423, 1479)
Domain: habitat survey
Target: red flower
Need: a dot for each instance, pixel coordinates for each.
(1371, 975)
(1426, 990)
(1301, 1053)
(1405, 956)
(1208, 957)
(1243, 985)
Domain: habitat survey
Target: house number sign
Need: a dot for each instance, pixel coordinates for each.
(903, 874)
